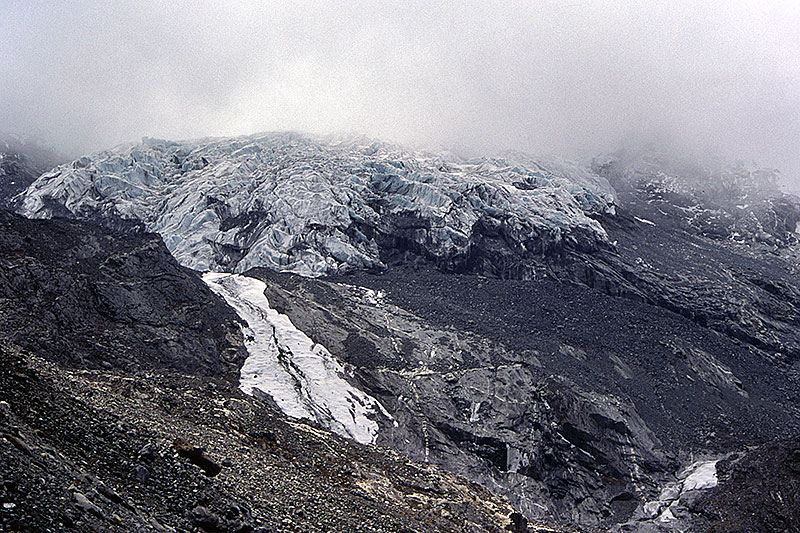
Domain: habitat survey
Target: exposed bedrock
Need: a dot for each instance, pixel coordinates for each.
(576, 405)
(88, 297)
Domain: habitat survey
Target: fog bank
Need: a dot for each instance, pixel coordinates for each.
(567, 77)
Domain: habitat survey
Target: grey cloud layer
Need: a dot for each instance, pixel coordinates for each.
(571, 77)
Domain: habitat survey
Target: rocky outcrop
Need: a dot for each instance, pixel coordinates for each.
(742, 283)
(89, 297)
(759, 490)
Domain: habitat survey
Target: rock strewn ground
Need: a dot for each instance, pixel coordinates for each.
(95, 450)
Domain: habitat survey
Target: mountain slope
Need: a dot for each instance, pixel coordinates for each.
(88, 297)
(21, 162)
(123, 414)
(582, 350)
(579, 406)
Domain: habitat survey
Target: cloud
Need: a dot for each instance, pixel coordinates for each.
(563, 76)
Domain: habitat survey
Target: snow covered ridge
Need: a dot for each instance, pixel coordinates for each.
(315, 205)
(303, 378)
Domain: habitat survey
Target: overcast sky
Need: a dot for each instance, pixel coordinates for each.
(569, 77)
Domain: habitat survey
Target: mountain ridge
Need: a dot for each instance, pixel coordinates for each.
(573, 338)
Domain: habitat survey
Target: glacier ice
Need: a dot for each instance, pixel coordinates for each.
(303, 378)
(319, 205)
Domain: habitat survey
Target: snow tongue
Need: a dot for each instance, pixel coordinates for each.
(303, 378)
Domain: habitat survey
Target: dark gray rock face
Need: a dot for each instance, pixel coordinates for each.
(759, 490)
(89, 297)
(577, 405)
(739, 280)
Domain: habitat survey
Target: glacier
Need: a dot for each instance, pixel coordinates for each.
(321, 205)
(303, 378)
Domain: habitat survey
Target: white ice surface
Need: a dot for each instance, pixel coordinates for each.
(304, 379)
(703, 476)
(700, 475)
(300, 204)
(645, 221)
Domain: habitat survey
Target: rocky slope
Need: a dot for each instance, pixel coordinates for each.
(88, 297)
(739, 279)
(100, 451)
(578, 406)
(125, 431)
(759, 490)
(592, 354)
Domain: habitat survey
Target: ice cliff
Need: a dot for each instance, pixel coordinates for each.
(315, 205)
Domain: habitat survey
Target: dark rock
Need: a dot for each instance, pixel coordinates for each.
(205, 519)
(83, 296)
(238, 527)
(197, 457)
(108, 424)
(140, 473)
(83, 503)
(519, 524)
(758, 491)
(108, 493)
(147, 453)
(20, 444)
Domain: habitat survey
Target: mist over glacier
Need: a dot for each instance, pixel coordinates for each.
(571, 78)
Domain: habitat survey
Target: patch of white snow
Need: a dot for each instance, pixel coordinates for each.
(703, 475)
(303, 378)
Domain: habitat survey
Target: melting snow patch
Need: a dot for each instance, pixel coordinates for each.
(703, 476)
(473, 411)
(700, 475)
(303, 378)
(375, 298)
(645, 221)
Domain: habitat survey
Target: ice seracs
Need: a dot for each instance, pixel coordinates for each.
(314, 205)
(303, 378)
